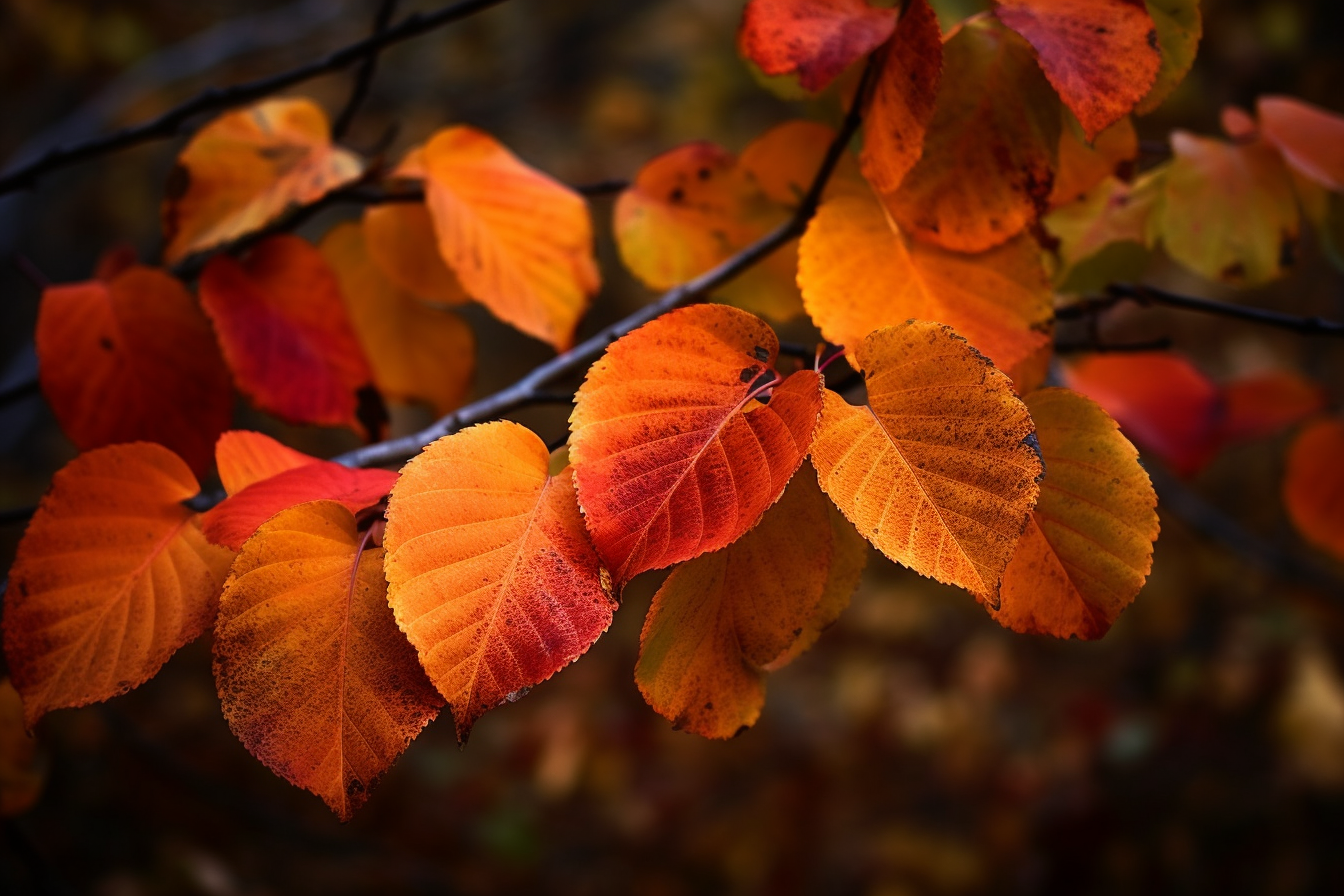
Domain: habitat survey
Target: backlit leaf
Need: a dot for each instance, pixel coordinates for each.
(990, 151)
(816, 39)
(721, 620)
(401, 241)
(1179, 28)
(1229, 212)
(285, 334)
(246, 168)
(938, 470)
(859, 274)
(1100, 55)
(1313, 487)
(1160, 400)
(1310, 138)
(520, 242)
(111, 578)
(245, 457)
(133, 359)
(233, 520)
(417, 353)
(1083, 166)
(1089, 545)
(314, 677)
(1112, 212)
(903, 98)
(1255, 407)
(672, 455)
(492, 576)
(695, 206)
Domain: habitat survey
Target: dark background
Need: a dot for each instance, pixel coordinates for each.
(919, 748)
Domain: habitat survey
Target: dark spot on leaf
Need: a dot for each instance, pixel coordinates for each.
(354, 787)
(1152, 38)
(748, 373)
(1287, 251)
(703, 174)
(106, 344)
(709, 707)
(677, 195)
(761, 354)
(179, 181)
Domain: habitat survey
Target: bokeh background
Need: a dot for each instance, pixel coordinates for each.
(919, 748)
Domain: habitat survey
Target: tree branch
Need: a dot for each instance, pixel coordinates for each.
(1149, 296)
(214, 98)
(364, 76)
(523, 391)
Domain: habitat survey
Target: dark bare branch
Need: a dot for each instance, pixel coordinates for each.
(364, 75)
(1149, 296)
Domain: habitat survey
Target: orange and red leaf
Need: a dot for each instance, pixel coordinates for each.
(815, 39)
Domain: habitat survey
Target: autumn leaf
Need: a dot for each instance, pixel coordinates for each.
(314, 677)
(519, 242)
(991, 148)
(695, 206)
(858, 273)
(1258, 406)
(902, 102)
(417, 353)
(1088, 547)
(401, 242)
(1179, 27)
(245, 168)
(1112, 214)
(1159, 399)
(672, 454)
(244, 457)
(23, 769)
(1083, 166)
(720, 621)
(1100, 55)
(491, 574)
(235, 519)
(1310, 138)
(1313, 486)
(285, 334)
(133, 359)
(815, 39)
(1228, 211)
(938, 470)
(111, 578)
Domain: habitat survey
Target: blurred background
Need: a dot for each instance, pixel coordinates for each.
(918, 748)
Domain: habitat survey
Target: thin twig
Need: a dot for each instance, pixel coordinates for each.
(19, 391)
(214, 99)
(523, 391)
(364, 76)
(1095, 345)
(1152, 295)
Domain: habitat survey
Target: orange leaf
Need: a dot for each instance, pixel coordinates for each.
(1082, 167)
(1100, 55)
(133, 359)
(859, 274)
(1159, 399)
(693, 207)
(1310, 138)
(938, 471)
(519, 242)
(990, 151)
(111, 578)
(1313, 487)
(1255, 407)
(245, 457)
(23, 771)
(285, 333)
(672, 457)
(1229, 212)
(491, 574)
(401, 242)
(817, 39)
(903, 98)
(1089, 545)
(417, 353)
(314, 677)
(245, 168)
(235, 519)
(721, 620)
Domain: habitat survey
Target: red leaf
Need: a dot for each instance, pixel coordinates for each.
(818, 39)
